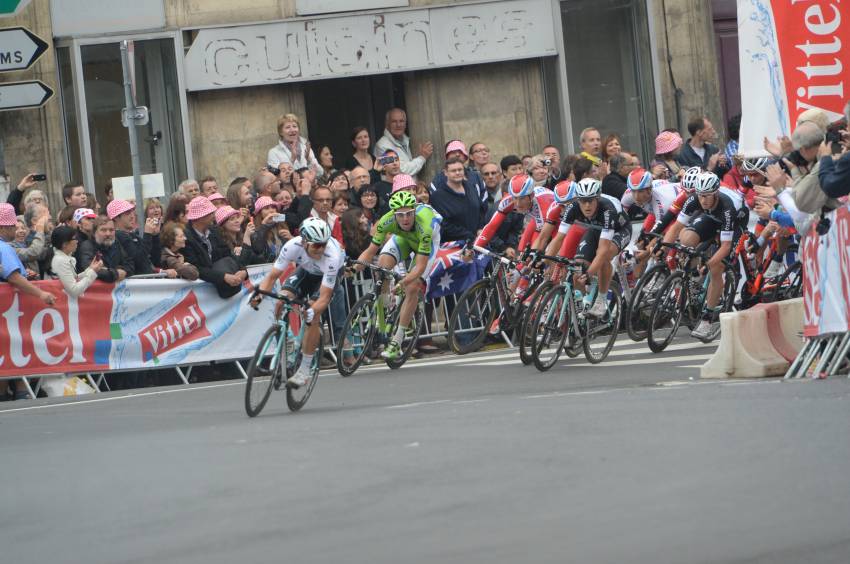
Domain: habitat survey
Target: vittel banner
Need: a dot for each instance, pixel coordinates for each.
(794, 55)
(826, 277)
(132, 325)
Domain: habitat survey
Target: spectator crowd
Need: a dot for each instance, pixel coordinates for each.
(211, 231)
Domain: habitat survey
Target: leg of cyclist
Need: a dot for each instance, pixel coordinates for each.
(703, 229)
(395, 251)
(303, 284)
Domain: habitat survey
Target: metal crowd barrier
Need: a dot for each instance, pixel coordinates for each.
(828, 355)
(354, 288)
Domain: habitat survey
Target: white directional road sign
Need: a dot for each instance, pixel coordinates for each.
(19, 48)
(18, 95)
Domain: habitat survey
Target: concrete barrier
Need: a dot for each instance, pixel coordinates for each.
(758, 342)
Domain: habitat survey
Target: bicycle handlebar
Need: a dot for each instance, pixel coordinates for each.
(502, 258)
(683, 249)
(395, 275)
(281, 297)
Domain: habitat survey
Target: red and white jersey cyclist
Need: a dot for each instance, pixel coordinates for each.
(525, 198)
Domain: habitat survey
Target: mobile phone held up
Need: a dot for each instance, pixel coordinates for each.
(389, 159)
(278, 218)
(39, 177)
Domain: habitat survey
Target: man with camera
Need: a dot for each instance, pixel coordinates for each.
(834, 174)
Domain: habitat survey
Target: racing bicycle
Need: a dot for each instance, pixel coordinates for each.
(278, 356)
(374, 319)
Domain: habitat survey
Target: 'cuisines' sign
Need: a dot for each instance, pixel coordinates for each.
(367, 44)
(794, 55)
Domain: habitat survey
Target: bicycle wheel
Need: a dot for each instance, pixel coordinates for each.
(472, 316)
(263, 370)
(600, 334)
(411, 335)
(667, 312)
(297, 397)
(643, 297)
(789, 285)
(727, 301)
(550, 328)
(358, 333)
(524, 339)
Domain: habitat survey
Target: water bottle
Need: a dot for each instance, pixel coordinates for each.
(291, 346)
(629, 266)
(521, 287)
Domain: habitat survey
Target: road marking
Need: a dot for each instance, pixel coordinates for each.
(649, 360)
(417, 404)
(494, 357)
(125, 396)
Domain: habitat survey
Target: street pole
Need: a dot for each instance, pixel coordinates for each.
(130, 112)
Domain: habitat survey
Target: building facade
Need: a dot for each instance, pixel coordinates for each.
(215, 75)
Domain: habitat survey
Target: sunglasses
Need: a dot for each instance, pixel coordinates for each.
(404, 215)
(318, 245)
(586, 200)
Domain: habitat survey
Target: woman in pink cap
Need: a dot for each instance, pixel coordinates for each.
(667, 146)
(266, 241)
(237, 239)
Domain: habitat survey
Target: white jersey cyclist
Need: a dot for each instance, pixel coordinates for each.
(328, 267)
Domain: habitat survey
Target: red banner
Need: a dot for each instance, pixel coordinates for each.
(814, 44)
(71, 335)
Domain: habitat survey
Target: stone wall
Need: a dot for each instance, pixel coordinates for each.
(694, 62)
(33, 140)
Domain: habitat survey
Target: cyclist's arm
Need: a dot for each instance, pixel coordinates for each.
(489, 231)
(370, 252)
(543, 238)
(321, 304)
(721, 253)
(417, 271)
(526, 236)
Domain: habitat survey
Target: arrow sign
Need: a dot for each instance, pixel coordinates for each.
(20, 95)
(19, 48)
(11, 7)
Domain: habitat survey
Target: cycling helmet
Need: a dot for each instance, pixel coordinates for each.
(707, 183)
(402, 199)
(520, 185)
(639, 179)
(755, 165)
(315, 230)
(565, 191)
(588, 188)
(690, 179)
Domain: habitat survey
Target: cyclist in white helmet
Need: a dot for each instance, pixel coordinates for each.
(318, 259)
(608, 233)
(707, 214)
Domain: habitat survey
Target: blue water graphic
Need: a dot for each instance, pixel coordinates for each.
(770, 57)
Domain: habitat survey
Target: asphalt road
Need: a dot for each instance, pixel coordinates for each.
(463, 460)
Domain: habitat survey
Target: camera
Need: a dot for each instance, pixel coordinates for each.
(389, 159)
(833, 132)
(279, 218)
(39, 177)
(273, 170)
(547, 162)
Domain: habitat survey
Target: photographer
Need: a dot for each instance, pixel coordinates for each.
(834, 175)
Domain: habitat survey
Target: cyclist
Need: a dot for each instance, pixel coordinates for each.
(609, 233)
(414, 229)
(525, 198)
(318, 259)
(653, 198)
(705, 215)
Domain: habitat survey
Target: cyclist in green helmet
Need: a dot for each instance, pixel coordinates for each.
(414, 229)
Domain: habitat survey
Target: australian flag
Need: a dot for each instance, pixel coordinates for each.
(451, 275)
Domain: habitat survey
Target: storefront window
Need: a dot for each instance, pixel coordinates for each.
(609, 70)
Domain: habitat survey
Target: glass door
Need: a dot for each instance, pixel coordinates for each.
(161, 142)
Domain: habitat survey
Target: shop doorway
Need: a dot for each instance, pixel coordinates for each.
(335, 107)
(93, 97)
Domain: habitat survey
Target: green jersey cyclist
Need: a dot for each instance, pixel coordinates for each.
(412, 229)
